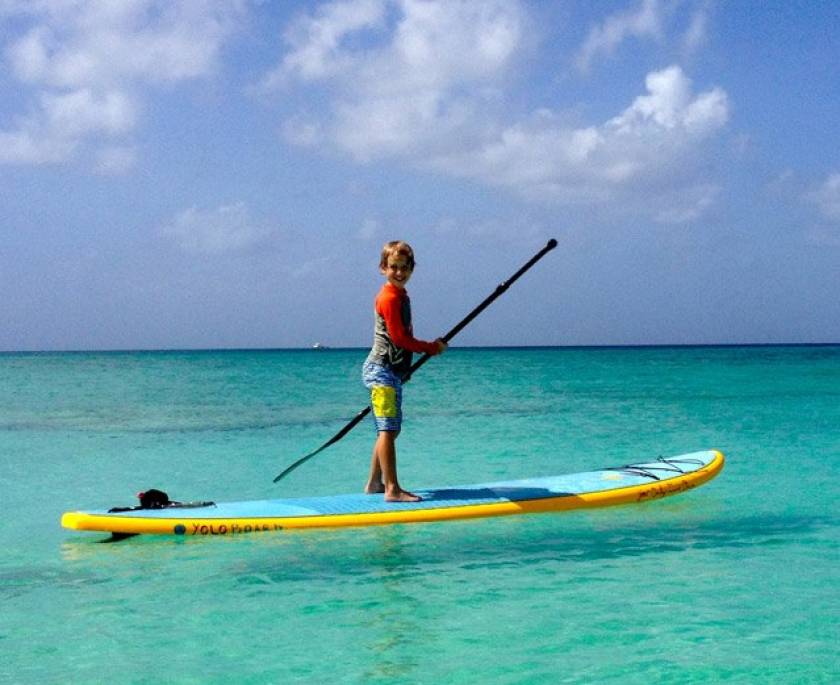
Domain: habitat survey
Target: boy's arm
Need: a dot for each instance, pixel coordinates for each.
(389, 308)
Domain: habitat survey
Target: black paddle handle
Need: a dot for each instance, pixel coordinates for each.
(500, 289)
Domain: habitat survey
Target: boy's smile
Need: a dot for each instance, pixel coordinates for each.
(398, 270)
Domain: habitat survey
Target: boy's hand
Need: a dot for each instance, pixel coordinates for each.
(441, 343)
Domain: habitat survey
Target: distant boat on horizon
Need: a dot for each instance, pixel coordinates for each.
(319, 346)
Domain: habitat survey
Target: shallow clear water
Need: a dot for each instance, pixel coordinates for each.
(734, 581)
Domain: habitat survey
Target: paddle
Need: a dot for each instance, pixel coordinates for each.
(501, 288)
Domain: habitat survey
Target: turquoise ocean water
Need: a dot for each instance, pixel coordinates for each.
(736, 581)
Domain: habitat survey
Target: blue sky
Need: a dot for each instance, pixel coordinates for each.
(200, 174)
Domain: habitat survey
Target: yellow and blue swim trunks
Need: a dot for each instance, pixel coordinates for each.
(385, 396)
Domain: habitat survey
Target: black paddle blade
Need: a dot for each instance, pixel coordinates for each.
(119, 537)
(300, 461)
(335, 438)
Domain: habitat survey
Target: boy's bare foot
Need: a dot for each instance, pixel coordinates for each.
(374, 488)
(403, 496)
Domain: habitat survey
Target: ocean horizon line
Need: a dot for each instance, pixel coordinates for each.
(351, 348)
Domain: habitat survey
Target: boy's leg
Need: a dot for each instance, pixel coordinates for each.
(386, 400)
(374, 484)
(386, 451)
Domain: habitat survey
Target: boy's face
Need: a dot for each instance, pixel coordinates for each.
(397, 271)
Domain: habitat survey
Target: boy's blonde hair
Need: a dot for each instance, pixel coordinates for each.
(396, 247)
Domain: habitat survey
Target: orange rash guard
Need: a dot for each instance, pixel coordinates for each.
(393, 340)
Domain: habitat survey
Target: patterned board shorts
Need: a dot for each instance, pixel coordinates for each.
(385, 396)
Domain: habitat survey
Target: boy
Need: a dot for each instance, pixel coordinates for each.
(388, 364)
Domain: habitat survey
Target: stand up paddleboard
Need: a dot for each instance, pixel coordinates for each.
(632, 483)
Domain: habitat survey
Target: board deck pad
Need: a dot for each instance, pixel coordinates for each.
(615, 485)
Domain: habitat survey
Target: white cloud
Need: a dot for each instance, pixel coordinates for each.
(80, 112)
(643, 22)
(428, 88)
(23, 146)
(642, 148)
(696, 34)
(86, 65)
(687, 205)
(650, 20)
(316, 40)
(827, 197)
(78, 44)
(229, 228)
(671, 105)
(398, 87)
